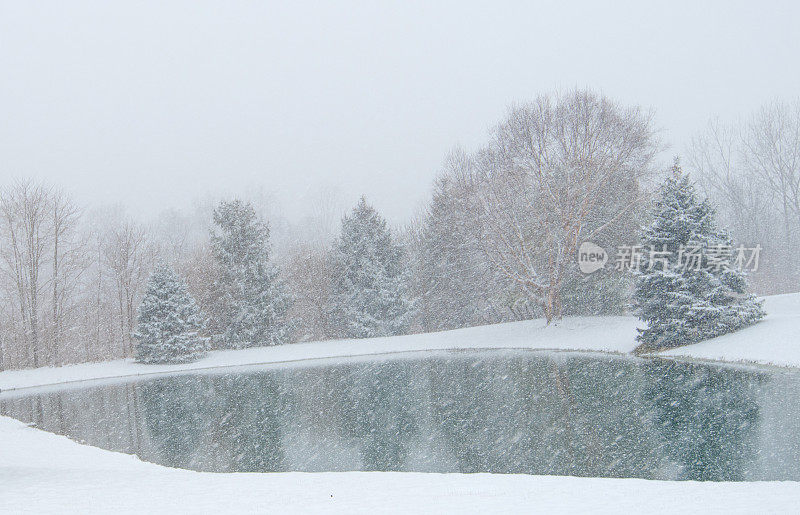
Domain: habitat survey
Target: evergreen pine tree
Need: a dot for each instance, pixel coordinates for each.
(250, 300)
(169, 321)
(683, 292)
(370, 285)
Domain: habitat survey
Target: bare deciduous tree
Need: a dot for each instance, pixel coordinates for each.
(771, 148)
(716, 158)
(558, 171)
(42, 261)
(752, 172)
(68, 264)
(128, 256)
(24, 207)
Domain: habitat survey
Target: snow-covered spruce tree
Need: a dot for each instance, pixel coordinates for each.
(250, 302)
(370, 285)
(169, 321)
(687, 299)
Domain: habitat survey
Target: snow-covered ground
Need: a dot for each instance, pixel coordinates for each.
(612, 334)
(45, 473)
(42, 472)
(775, 340)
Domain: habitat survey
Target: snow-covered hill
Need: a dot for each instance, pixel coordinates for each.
(775, 340)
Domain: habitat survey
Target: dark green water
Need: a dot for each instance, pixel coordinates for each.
(483, 411)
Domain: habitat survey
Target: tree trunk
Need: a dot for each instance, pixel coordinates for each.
(55, 336)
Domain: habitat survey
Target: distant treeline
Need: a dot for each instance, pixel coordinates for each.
(497, 241)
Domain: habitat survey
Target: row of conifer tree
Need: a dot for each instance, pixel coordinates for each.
(250, 304)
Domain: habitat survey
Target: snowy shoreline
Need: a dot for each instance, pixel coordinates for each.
(573, 334)
(773, 341)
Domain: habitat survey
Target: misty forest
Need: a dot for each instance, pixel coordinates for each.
(496, 242)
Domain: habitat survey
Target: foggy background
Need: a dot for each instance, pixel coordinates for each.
(157, 104)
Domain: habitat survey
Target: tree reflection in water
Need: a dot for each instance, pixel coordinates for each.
(482, 411)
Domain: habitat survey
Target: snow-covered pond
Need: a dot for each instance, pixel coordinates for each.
(500, 411)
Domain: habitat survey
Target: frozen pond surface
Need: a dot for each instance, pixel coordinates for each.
(476, 411)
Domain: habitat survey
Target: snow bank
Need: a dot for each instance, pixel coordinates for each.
(775, 341)
(45, 473)
(609, 334)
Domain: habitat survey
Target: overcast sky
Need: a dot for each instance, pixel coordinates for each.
(153, 104)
